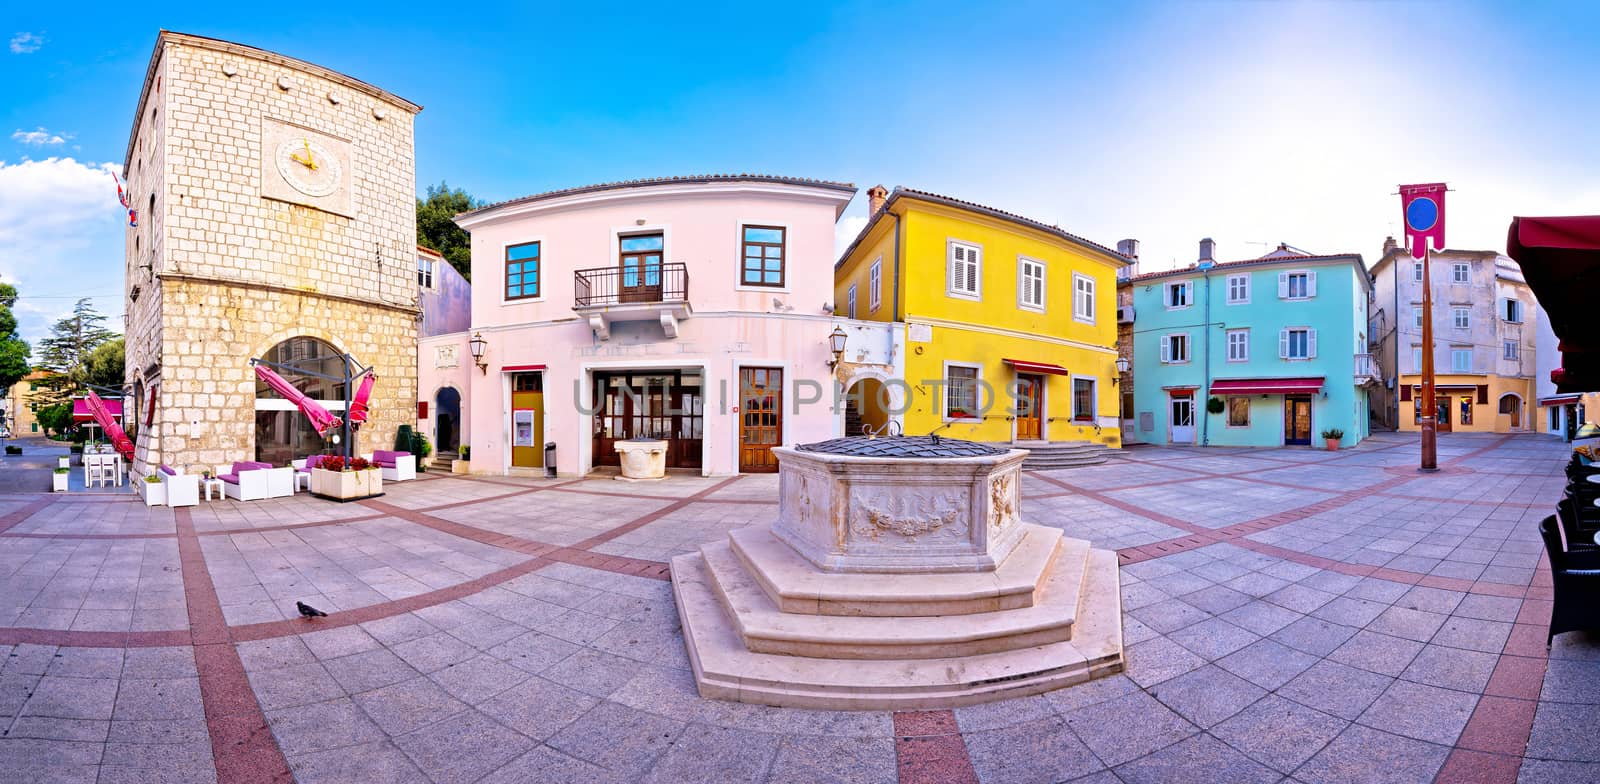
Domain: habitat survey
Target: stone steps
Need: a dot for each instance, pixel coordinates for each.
(726, 669)
(795, 585)
(1046, 455)
(766, 629)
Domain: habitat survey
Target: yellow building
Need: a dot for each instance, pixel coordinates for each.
(1010, 325)
(21, 407)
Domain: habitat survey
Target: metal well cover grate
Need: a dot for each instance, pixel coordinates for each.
(902, 446)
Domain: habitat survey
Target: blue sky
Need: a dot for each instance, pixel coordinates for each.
(1253, 123)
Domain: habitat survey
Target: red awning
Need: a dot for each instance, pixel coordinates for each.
(1024, 366)
(81, 412)
(521, 368)
(1266, 386)
(1560, 259)
(1559, 400)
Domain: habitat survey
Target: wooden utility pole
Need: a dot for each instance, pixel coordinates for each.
(1430, 406)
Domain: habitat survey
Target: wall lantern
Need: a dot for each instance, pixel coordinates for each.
(836, 341)
(1122, 367)
(477, 346)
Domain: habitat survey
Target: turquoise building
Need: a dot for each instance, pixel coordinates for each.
(1262, 352)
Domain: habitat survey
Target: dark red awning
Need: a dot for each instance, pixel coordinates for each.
(1024, 366)
(1266, 386)
(1559, 400)
(1560, 259)
(521, 368)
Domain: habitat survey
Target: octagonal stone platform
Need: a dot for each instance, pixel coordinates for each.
(897, 575)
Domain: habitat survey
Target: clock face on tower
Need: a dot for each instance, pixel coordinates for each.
(309, 166)
(303, 166)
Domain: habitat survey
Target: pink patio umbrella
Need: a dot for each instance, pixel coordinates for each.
(102, 415)
(358, 404)
(321, 420)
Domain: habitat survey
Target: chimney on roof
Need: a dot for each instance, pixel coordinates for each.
(1129, 248)
(876, 195)
(1389, 244)
(1208, 252)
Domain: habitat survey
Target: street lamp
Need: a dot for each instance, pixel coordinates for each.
(836, 341)
(1122, 367)
(477, 346)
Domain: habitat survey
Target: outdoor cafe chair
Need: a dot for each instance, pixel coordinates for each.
(1576, 575)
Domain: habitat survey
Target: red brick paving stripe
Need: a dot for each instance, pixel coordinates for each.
(16, 516)
(1465, 766)
(242, 746)
(644, 520)
(928, 749)
(81, 639)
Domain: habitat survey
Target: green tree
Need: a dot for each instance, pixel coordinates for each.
(14, 350)
(56, 419)
(66, 352)
(104, 365)
(437, 229)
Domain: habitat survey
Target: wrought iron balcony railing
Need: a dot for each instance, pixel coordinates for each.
(602, 286)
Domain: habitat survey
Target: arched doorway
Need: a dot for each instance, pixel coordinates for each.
(866, 405)
(447, 421)
(282, 432)
(1511, 406)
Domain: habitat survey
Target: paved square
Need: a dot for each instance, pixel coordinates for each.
(1328, 617)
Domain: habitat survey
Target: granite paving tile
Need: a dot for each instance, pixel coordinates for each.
(1278, 732)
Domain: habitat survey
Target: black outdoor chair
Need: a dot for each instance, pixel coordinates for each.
(1579, 524)
(1576, 575)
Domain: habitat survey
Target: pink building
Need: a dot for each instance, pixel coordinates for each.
(693, 309)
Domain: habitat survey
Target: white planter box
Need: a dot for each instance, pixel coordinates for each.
(58, 483)
(461, 467)
(65, 461)
(347, 485)
(155, 493)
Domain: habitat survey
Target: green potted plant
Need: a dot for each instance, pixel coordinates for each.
(154, 492)
(1214, 405)
(58, 482)
(1332, 436)
(463, 465)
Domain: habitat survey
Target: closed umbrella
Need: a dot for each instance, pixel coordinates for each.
(102, 415)
(358, 405)
(322, 421)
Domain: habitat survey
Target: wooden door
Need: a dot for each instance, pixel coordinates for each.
(640, 269)
(1443, 404)
(1030, 407)
(760, 418)
(1297, 421)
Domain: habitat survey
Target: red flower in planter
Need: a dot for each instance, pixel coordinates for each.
(359, 464)
(332, 463)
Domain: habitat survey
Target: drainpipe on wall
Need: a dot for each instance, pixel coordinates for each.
(1205, 421)
(892, 214)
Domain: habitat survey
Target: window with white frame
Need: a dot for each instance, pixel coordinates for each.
(1238, 411)
(1238, 345)
(1416, 271)
(1239, 289)
(961, 392)
(425, 273)
(1416, 315)
(1460, 359)
(1083, 298)
(1030, 284)
(1297, 285)
(1416, 358)
(850, 302)
(1178, 295)
(1509, 349)
(1297, 343)
(1175, 348)
(1513, 310)
(1461, 317)
(875, 284)
(965, 270)
(1083, 399)
(1461, 272)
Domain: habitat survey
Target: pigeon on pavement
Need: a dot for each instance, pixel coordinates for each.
(309, 611)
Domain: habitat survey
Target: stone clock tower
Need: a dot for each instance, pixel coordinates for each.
(277, 219)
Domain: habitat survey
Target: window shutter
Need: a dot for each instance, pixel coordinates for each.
(1311, 344)
(1166, 349)
(1283, 285)
(1188, 346)
(1405, 393)
(1483, 394)
(1311, 283)
(1283, 339)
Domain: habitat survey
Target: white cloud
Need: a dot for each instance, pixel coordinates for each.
(845, 231)
(62, 229)
(26, 43)
(40, 137)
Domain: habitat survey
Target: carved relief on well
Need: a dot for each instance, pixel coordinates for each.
(1004, 497)
(804, 509)
(879, 514)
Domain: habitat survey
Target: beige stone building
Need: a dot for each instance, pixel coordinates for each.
(277, 220)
